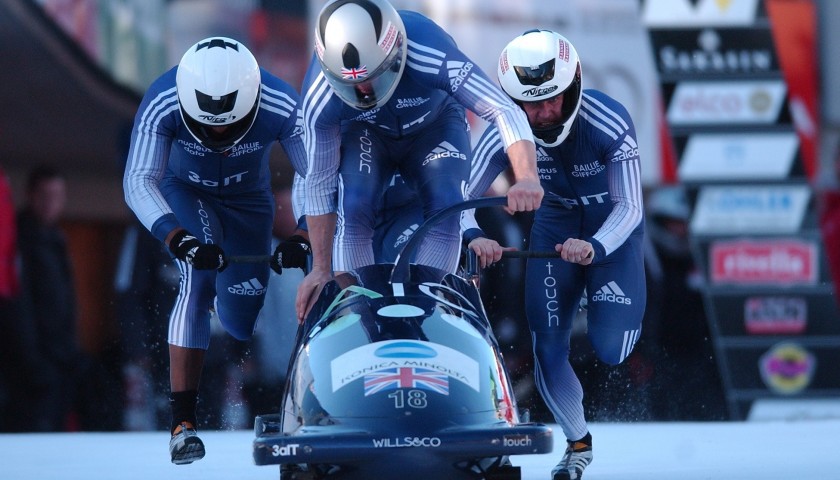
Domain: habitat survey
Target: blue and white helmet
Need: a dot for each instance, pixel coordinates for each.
(218, 83)
(539, 65)
(362, 47)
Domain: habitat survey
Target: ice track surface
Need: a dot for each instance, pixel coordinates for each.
(807, 449)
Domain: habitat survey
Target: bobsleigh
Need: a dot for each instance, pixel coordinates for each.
(397, 375)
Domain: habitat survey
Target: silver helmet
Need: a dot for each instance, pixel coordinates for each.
(218, 83)
(539, 65)
(361, 46)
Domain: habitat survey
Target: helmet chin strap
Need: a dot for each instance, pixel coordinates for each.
(548, 135)
(547, 138)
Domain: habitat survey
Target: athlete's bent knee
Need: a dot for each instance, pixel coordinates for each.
(614, 349)
(239, 332)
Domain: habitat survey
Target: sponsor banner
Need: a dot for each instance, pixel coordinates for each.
(738, 156)
(787, 368)
(727, 103)
(799, 313)
(407, 442)
(782, 262)
(765, 209)
(402, 355)
(289, 450)
(788, 409)
(795, 35)
(784, 369)
(676, 13)
(775, 315)
(714, 52)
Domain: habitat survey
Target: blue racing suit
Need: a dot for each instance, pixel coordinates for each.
(420, 133)
(223, 198)
(593, 192)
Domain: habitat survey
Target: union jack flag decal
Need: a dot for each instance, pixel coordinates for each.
(406, 377)
(354, 73)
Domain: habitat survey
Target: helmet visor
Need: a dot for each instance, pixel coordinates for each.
(535, 75)
(364, 90)
(220, 138)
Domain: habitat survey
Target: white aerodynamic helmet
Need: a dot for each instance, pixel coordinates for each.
(539, 65)
(218, 83)
(361, 46)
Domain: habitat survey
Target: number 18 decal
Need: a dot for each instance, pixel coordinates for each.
(409, 398)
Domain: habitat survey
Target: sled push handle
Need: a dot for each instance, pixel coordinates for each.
(402, 272)
(472, 269)
(249, 259)
(265, 259)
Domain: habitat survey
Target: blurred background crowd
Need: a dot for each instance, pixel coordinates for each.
(85, 291)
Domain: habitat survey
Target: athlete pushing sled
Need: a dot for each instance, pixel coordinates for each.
(397, 374)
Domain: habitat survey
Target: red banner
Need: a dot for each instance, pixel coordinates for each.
(771, 262)
(794, 26)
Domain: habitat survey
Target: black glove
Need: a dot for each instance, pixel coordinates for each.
(291, 253)
(202, 256)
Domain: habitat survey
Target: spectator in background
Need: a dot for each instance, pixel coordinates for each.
(146, 284)
(51, 364)
(9, 289)
(686, 360)
(828, 203)
(276, 324)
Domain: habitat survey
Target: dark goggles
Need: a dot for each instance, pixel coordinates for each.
(535, 76)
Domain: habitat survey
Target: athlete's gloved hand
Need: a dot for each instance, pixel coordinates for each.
(202, 256)
(291, 253)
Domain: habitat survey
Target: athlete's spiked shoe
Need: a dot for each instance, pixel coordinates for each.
(578, 455)
(185, 446)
